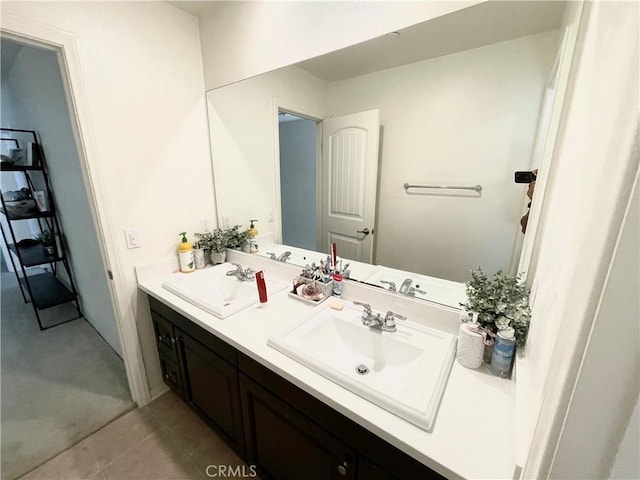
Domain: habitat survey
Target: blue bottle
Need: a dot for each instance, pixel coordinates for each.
(503, 349)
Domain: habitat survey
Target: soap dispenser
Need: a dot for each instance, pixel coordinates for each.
(253, 237)
(185, 253)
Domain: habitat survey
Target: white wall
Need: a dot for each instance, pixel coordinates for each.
(611, 364)
(143, 85)
(40, 104)
(243, 39)
(462, 119)
(242, 120)
(580, 369)
(627, 462)
(298, 186)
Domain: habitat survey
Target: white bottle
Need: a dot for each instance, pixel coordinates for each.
(185, 254)
(503, 348)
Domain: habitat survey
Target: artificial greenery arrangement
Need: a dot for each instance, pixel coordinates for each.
(46, 238)
(237, 238)
(219, 240)
(499, 302)
(48, 242)
(215, 241)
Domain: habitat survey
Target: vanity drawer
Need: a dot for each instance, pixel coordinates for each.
(208, 339)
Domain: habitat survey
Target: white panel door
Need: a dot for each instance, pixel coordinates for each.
(349, 184)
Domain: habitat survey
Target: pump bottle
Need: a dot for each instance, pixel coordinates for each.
(185, 253)
(253, 237)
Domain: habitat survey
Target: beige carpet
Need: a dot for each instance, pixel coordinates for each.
(58, 386)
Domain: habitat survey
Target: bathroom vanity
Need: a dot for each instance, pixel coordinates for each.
(295, 423)
(257, 411)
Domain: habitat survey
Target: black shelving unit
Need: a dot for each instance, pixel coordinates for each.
(22, 154)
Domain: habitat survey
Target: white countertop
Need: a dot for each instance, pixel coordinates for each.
(473, 435)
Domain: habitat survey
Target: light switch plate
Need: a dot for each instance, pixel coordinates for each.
(226, 222)
(205, 225)
(132, 238)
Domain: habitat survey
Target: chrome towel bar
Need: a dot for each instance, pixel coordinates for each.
(475, 188)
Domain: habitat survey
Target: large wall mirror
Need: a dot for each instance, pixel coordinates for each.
(321, 151)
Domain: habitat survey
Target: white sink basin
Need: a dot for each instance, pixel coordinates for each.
(302, 257)
(215, 292)
(407, 369)
(444, 292)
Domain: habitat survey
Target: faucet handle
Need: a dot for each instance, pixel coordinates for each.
(366, 306)
(392, 285)
(390, 316)
(412, 291)
(272, 255)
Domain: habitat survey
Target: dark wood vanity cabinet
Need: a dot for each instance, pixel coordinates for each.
(211, 390)
(202, 370)
(168, 353)
(311, 452)
(287, 433)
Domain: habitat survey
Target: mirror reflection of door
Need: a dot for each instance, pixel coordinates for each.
(349, 186)
(345, 184)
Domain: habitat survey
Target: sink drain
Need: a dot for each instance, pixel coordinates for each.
(362, 369)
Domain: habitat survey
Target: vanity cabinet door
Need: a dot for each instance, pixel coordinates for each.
(286, 445)
(211, 390)
(171, 374)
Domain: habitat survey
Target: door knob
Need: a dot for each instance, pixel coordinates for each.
(365, 231)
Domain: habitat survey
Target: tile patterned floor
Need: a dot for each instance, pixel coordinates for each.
(163, 441)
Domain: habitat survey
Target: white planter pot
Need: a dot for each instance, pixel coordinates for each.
(218, 257)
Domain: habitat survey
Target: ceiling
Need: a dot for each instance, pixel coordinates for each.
(472, 27)
(482, 24)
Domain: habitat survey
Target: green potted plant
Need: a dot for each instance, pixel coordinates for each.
(500, 302)
(215, 244)
(238, 239)
(48, 242)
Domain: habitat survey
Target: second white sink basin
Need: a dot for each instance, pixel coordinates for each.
(438, 290)
(404, 372)
(215, 292)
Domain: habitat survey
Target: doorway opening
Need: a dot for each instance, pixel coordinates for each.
(70, 380)
(299, 181)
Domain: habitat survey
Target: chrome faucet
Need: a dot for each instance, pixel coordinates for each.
(244, 275)
(392, 285)
(404, 288)
(375, 320)
(283, 257)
